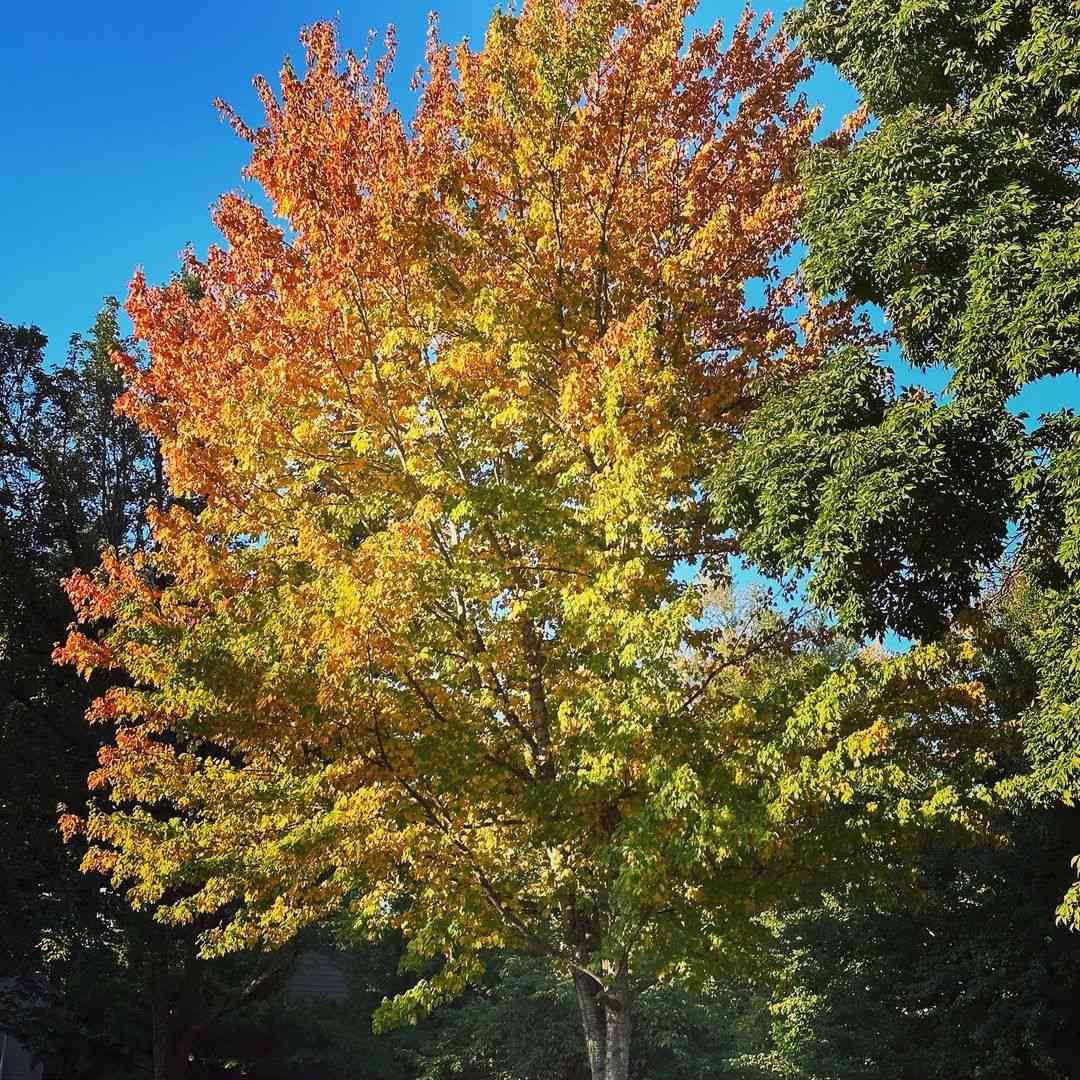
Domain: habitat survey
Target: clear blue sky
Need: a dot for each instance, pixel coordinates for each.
(114, 153)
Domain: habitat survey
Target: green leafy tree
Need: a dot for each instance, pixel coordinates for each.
(891, 502)
(72, 476)
(957, 212)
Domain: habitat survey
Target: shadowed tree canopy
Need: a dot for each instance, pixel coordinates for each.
(73, 476)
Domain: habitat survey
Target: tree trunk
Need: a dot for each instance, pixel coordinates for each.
(593, 1023)
(619, 1019)
(171, 1053)
(606, 1024)
(174, 1033)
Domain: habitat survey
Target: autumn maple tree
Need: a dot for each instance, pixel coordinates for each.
(423, 639)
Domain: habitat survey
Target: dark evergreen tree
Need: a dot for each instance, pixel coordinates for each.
(93, 988)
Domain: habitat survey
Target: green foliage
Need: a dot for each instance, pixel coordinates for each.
(975, 981)
(960, 213)
(1040, 626)
(84, 1010)
(870, 492)
(522, 1024)
(334, 1037)
(73, 475)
